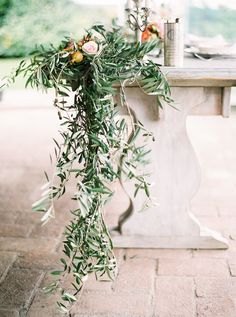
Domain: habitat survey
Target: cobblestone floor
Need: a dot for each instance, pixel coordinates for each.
(151, 283)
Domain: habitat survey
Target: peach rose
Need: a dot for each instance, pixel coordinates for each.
(90, 48)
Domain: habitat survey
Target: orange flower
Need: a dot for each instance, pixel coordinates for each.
(70, 46)
(153, 31)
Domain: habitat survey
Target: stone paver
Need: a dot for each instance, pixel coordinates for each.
(174, 297)
(28, 245)
(101, 285)
(136, 275)
(29, 218)
(38, 260)
(95, 315)
(17, 196)
(216, 307)
(193, 267)
(17, 289)
(8, 217)
(49, 230)
(8, 313)
(6, 260)
(122, 304)
(44, 305)
(215, 287)
(15, 230)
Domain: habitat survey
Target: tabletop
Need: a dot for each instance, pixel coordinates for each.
(207, 73)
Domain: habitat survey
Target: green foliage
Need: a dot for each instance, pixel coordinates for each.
(211, 22)
(93, 147)
(29, 22)
(4, 7)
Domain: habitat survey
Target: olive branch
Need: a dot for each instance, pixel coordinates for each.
(93, 148)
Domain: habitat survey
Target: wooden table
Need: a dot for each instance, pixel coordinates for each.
(202, 89)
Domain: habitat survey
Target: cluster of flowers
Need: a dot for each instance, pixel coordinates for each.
(88, 46)
(153, 31)
(77, 50)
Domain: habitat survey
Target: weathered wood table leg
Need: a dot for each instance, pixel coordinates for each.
(175, 174)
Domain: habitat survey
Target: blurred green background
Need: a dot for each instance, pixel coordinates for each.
(25, 23)
(207, 21)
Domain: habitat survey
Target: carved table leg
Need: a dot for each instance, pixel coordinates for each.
(175, 174)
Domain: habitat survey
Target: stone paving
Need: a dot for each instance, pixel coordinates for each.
(150, 283)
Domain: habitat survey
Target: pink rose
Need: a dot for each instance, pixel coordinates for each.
(90, 47)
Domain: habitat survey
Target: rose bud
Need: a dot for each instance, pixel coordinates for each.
(77, 57)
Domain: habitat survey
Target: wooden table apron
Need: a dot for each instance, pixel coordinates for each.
(175, 170)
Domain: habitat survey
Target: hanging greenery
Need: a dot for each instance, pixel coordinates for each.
(94, 148)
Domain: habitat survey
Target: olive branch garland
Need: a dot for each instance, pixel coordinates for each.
(93, 149)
